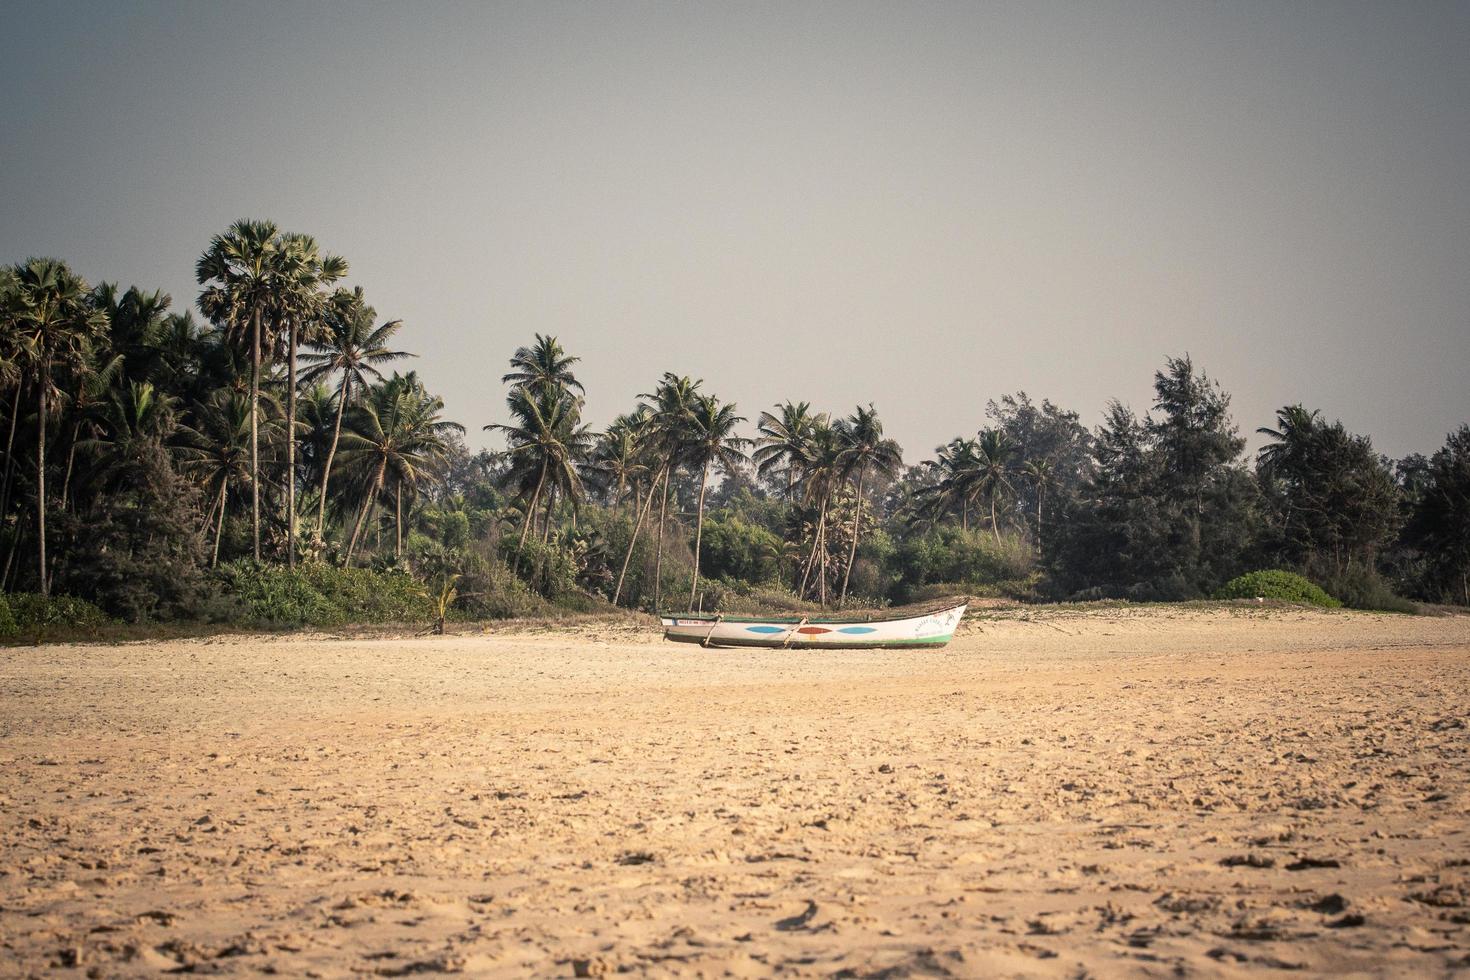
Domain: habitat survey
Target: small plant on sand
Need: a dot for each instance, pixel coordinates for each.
(1279, 585)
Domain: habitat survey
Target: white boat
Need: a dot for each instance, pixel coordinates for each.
(926, 628)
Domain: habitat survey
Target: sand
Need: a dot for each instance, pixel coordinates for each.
(1139, 791)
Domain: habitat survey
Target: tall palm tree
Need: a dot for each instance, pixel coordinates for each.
(864, 449)
(398, 429)
(994, 450)
(821, 469)
(544, 364)
(546, 444)
(617, 459)
(783, 441)
(710, 441)
(668, 412)
(52, 324)
(1296, 427)
(240, 271)
(350, 345)
(956, 464)
(305, 272)
(1042, 475)
(216, 449)
(673, 402)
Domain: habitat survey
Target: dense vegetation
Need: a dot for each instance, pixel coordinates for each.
(265, 464)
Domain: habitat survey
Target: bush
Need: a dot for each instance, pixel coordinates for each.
(1361, 587)
(318, 594)
(28, 613)
(1279, 585)
(967, 559)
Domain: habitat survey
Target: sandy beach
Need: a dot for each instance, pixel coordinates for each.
(1118, 791)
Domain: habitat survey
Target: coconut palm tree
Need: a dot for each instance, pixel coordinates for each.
(52, 324)
(710, 441)
(994, 450)
(956, 465)
(240, 272)
(821, 469)
(397, 429)
(1042, 475)
(864, 449)
(667, 410)
(351, 346)
(543, 365)
(215, 450)
(305, 273)
(135, 419)
(546, 444)
(617, 459)
(783, 441)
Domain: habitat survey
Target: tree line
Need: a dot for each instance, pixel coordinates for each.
(146, 450)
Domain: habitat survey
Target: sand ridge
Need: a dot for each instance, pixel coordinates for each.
(1109, 792)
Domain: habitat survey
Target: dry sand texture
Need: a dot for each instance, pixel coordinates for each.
(1145, 791)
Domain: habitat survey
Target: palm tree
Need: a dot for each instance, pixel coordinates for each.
(136, 416)
(956, 463)
(52, 324)
(673, 401)
(617, 459)
(821, 469)
(1296, 428)
(710, 441)
(349, 345)
(240, 272)
(216, 450)
(1041, 474)
(542, 365)
(304, 272)
(994, 450)
(546, 443)
(398, 429)
(783, 441)
(864, 449)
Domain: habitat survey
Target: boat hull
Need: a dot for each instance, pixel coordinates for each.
(930, 629)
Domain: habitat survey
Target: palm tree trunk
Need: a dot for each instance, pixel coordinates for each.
(321, 511)
(531, 510)
(255, 429)
(852, 551)
(1039, 493)
(219, 530)
(633, 541)
(291, 450)
(658, 557)
(550, 503)
(822, 570)
(41, 473)
(10, 452)
(367, 505)
(398, 522)
(698, 533)
(965, 516)
(816, 541)
(994, 527)
(71, 456)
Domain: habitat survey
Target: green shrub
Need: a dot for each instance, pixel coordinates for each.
(29, 613)
(1276, 584)
(965, 559)
(8, 625)
(319, 594)
(1361, 587)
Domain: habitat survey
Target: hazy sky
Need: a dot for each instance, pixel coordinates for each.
(920, 205)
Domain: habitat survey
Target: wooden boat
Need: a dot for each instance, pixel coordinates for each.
(921, 628)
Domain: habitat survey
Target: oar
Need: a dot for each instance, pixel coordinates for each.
(792, 632)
